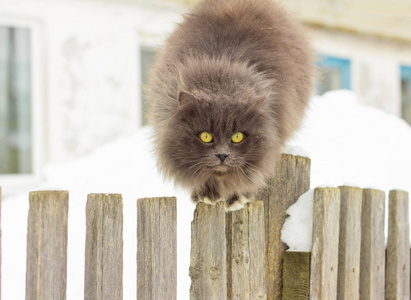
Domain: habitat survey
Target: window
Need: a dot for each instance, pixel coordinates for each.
(334, 74)
(147, 58)
(406, 93)
(15, 101)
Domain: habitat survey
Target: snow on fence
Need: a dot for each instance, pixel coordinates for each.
(235, 255)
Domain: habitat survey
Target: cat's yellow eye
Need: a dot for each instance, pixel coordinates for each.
(206, 137)
(237, 137)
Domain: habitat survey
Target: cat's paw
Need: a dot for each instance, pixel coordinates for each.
(233, 206)
(236, 202)
(196, 198)
(206, 195)
(207, 200)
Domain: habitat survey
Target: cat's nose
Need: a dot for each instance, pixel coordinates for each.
(222, 157)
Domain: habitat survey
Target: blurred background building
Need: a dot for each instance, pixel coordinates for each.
(71, 71)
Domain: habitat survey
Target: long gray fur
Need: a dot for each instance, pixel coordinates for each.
(230, 66)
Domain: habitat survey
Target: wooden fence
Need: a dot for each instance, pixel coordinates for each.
(235, 255)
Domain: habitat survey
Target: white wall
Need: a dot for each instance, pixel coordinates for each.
(386, 18)
(90, 67)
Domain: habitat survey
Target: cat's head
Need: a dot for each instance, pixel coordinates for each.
(216, 136)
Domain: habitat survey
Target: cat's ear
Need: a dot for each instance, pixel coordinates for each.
(259, 103)
(185, 98)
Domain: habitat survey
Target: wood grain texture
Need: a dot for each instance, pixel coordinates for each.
(291, 179)
(349, 243)
(46, 273)
(397, 277)
(104, 247)
(208, 270)
(296, 275)
(245, 253)
(372, 269)
(157, 248)
(324, 253)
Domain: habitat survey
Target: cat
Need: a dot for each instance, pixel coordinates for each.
(229, 88)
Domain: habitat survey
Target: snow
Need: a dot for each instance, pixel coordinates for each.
(350, 142)
(126, 166)
(298, 228)
(295, 150)
(347, 142)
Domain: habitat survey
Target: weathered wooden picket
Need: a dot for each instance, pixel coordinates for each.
(234, 255)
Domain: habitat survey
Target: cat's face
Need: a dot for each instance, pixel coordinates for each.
(209, 138)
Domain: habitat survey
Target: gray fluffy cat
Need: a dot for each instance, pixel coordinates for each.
(227, 91)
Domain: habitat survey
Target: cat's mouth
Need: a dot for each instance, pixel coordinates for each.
(221, 169)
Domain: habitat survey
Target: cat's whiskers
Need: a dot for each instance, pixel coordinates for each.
(187, 164)
(246, 175)
(197, 170)
(254, 167)
(198, 167)
(240, 177)
(190, 163)
(260, 179)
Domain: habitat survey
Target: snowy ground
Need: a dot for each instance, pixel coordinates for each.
(347, 143)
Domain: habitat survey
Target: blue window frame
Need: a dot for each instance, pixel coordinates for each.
(334, 74)
(406, 93)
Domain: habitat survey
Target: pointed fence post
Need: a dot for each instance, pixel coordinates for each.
(324, 253)
(46, 273)
(397, 277)
(372, 269)
(104, 247)
(291, 179)
(157, 248)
